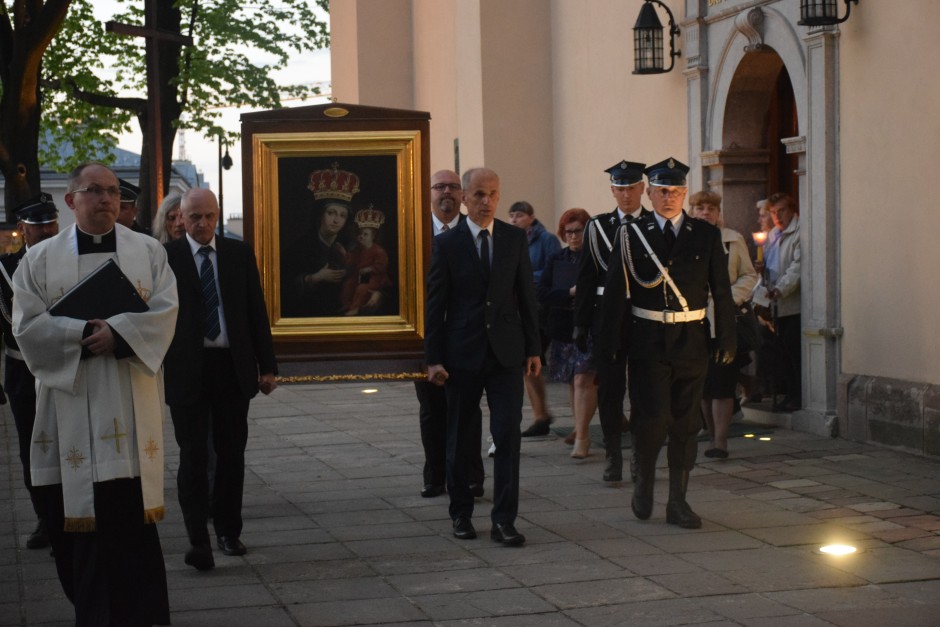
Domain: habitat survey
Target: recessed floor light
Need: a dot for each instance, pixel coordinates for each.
(837, 549)
(370, 391)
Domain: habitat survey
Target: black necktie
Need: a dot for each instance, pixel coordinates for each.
(485, 251)
(210, 295)
(669, 234)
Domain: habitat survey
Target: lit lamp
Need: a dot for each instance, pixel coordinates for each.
(648, 40)
(225, 163)
(759, 238)
(823, 12)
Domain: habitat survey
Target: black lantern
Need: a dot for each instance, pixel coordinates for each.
(648, 40)
(823, 12)
(225, 163)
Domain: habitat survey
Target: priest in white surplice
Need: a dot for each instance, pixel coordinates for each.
(97, 447)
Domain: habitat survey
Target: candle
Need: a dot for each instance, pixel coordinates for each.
(759, 238)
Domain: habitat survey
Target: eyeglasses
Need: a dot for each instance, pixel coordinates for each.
(97, 190)
(439, 187)
(573, 232)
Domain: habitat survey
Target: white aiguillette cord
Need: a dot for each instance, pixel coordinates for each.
(662, 269)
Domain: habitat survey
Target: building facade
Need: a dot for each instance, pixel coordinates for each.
(841, 117)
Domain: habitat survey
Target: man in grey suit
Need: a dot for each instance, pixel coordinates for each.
(482, 335)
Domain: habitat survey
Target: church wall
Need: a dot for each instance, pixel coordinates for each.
(603, 112)
(889, 153)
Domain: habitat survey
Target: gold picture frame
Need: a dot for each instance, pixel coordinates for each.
(300, 178)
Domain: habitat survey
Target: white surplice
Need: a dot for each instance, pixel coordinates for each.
(98, 418)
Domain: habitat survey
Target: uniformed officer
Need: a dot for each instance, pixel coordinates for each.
(38, 220)
(127, 216)
(626, 185)
(666, 263)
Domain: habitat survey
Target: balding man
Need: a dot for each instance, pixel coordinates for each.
(221, 355)
(482, 335)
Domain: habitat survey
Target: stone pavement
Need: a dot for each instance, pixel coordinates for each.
(338, 534)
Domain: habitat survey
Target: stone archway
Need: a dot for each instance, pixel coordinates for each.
(732, 80)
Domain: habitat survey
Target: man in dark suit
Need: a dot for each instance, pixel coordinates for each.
(668, 331)
(626, 185)
(482, 334)
(38, 220)
(221, 355)
(446, 195)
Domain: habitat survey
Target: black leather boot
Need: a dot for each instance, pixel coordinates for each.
(642, 503)
(613, 471)
(678, 511)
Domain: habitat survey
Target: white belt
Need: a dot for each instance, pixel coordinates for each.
(668, 316)
(11, 352)
(600, 291)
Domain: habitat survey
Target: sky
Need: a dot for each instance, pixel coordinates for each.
(313, 66)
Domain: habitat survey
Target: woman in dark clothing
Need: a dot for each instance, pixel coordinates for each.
(555, 290)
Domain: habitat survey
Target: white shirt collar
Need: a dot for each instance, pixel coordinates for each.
(476, 228)
(439, 224)
(194, 246)
(676, 221)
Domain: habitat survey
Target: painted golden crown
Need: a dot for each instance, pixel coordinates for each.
(369, 218)
(333, 183)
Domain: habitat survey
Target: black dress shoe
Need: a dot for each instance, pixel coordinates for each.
(463, 529)
(38, 539)
(231, 546)
(430, 491)
(716, 453)
(538, 428)
(200, 557)
(613, 471)
(679, 513)
(476, 489)
(506, 534)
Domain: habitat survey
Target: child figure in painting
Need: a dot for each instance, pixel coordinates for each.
(369, 262)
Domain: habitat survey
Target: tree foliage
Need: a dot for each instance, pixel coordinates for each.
(94, 81)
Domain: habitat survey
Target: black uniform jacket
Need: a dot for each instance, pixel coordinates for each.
(697, 264)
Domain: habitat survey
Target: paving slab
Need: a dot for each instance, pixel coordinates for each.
(338, 534)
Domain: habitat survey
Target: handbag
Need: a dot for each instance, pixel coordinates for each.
(748, 329)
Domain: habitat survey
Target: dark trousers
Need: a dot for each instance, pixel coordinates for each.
(432, 414)
(790, 330)
(20, 386)
(222, 402)
(611, 389)
(667, 397)
(115, 575)
(504, 391)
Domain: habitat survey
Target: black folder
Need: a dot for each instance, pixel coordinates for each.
(104, 293)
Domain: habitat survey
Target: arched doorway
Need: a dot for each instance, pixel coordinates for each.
(764, 94)
(760, 111)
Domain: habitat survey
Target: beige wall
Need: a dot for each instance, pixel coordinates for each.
(371, 46)
(890, 134)
(603, 112)
(540, 91)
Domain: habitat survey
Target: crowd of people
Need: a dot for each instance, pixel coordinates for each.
(663, 307)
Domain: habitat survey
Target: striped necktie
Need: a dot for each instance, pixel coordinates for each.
(485, 251)
(210, 294)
